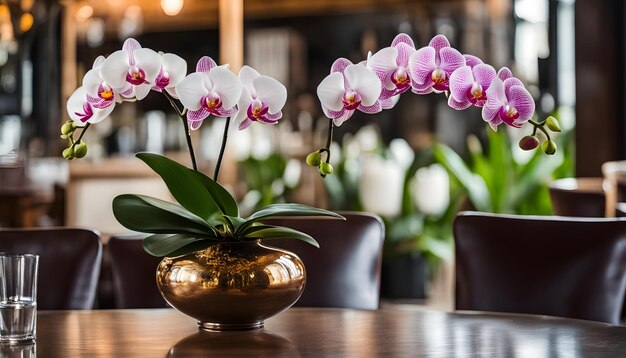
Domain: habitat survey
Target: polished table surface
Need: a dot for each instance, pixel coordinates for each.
(311, 332)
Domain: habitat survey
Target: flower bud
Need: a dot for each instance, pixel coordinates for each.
(80, 150)
(548, 147)
(67, 128)
(326, 168)
(553, 124)
(314, 159)
(528, 142)
(68, 153)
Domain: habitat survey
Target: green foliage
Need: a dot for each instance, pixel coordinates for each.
(207, 214)
(261, 176)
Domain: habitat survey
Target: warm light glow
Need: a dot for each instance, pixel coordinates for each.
(26, 22)
(84, 12)
(171, 7)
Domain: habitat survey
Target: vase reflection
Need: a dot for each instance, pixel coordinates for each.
(253, 344)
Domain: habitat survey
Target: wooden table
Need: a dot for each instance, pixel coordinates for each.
(310, 332)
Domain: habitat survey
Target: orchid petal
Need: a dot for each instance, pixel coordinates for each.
(330, 91)
(484, 74)
(130, 45)
(523, 102)
(222, 112)
(100, 114)
(344, 117)
(274, 116)
(495, 100)
(510, 82)
(149, 61)
(404, 54)
(247, 122)
(98, 61)
(365, 82)
(246, 76)
(176, 68)
(333, 114)
(75, 103)
(245, 99)
(422, 89)
(459, 105)
(142, 91)
(114, 69)
(451, 59)
(271, 92)
(92, 81)
(438, 42)
(383, 61)
(402, 38)
(504, 73)
(197, 116)
(340, 65)
(375, 108)
(227, 85)
(191, 90)
(460, 81)
(195, 125)
(205, 64)
(389, 103)
(421, 64)
(472, 60)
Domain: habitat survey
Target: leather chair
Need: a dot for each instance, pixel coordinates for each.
(345, 270)
(69, 264)
(133, 273)
(578, 197)
(559, 266)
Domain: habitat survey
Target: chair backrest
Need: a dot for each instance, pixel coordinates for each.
(345, 270)
(614, 173)
(133, 273)
(578, 197)
(69, 264)
(560, 266)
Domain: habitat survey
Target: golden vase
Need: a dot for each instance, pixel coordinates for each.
(232, 286)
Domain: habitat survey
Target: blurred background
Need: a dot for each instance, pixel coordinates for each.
(416, 165)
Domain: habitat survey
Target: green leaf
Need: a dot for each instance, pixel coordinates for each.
(194, 246)
(474, 185)
(186, 187)
(150, 215)
(225, 202)
(279, 232)
(277, 210)
(254, 228)
(160, 245)
(234, 222)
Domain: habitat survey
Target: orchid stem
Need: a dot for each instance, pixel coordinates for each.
(540, 127)
(331, 126)
(80, 137)
(221, 156)
(183, 117)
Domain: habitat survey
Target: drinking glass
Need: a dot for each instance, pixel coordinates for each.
(18, 297)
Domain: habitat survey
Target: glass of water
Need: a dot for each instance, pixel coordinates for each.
(18, 297)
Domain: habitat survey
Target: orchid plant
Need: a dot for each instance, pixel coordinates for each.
(376, 84)
(206, 213)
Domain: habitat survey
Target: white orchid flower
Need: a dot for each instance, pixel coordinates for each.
(211, 89)
(173, 70)
(95, 99)
(82, 112)
(262, 98)
(348, 88)
(132, 70)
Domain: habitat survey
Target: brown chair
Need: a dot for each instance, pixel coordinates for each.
(582, 197)
(69, 264)
(559, 266)
(133, 273)
(345, 270)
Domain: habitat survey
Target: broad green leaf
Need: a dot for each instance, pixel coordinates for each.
(150, 215)
(186, 187)
(160, 245)
(474, 185)
(539, 172)
(225, 202)
(501, 162)
(234, 222)
(194, 246)
(279, 232)
(254, 228)
(278, 210)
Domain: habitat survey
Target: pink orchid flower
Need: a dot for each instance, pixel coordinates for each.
(132, 70)
(431, 66)
(211, 89)
(81, 111)
(262, 99)
(349, 87)
(508, 102)
(391, 65)
(173, 70)
(95, 99)
(468, 86)
(472, 61)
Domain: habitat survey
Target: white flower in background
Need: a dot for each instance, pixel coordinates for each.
(292, 174)
(368, 138)
(401, 152)
(380, 187)
(431, 190)
(262, 98)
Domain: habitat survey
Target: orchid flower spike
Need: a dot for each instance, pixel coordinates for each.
(173, 70)
(94, 100)
(508, 102)
(132, 70)
(469, 86)
(262, 99)
(211, 89)
(431, 66)
(391, 65)
(349, 87)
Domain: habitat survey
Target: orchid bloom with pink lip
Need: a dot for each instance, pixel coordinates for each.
(211, 89)
(173, 70)
(468, 86)
(391, 65)
(349, 87)
(95, 99)
(132, 70)
(431, 66)
(262, 99)
(508, 102)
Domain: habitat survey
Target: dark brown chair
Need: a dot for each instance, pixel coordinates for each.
(559, 266)
(69, 264)
(578, 197)
(133, 273)
(345, 270)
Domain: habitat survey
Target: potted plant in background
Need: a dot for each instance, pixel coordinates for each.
(215, 268)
